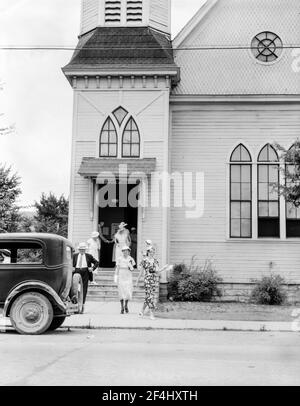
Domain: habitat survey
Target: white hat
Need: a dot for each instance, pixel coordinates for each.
(5, 252)
(126, 248)
(82, 246)
(95, 234)
(122, 225)
(148, 242)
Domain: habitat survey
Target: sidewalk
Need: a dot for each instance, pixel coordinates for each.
(106, 315)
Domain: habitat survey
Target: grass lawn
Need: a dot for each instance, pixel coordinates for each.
(225, 311)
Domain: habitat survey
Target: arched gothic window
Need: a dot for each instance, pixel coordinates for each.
(240, 193)
(131, 143)
(268, 193)
(108, 140)
(292, 211)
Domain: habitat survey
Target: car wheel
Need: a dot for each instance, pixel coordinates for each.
(77, 291)
(56, 323)
(31, 313)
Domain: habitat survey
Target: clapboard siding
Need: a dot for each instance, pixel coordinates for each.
(202, 141)
(160, 15)
(82, 225)
(242, 262)
(89, 17)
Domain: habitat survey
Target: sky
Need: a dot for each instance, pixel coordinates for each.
(36, 96)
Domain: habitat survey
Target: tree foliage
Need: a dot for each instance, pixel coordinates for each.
(291, 189)
(52, 215)
(9, 192)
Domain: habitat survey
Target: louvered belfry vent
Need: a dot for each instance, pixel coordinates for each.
(134, 12)
(113, 11)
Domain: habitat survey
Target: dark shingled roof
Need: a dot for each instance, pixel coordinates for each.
(92, 167)
(122, 46)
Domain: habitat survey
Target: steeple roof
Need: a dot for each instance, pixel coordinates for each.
(122, 47)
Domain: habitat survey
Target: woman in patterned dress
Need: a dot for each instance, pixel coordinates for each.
(123, 277)
(150, 269)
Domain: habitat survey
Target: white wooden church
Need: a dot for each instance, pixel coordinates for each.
(212, 101)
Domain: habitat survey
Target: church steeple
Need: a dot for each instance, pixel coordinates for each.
(126, 13)
(123, 39)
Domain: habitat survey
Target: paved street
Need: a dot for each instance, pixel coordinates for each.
(137, 357)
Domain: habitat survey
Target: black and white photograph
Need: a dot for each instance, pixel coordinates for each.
(149, 196)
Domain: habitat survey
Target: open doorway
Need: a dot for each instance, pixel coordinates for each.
(110, 218)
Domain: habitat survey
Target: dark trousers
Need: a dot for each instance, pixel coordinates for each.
(84, 272)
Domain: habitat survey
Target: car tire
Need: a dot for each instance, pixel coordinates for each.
(31, 313)
(56, 323)
(77, 291)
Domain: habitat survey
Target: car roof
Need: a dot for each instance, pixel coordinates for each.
(34, 236)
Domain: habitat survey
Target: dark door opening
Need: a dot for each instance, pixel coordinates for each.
(110, 218)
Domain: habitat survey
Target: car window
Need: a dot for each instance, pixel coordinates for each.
(29, 255)
(69, 255)
(20, 253)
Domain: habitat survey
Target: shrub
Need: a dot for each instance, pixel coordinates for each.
(269, 291)
(194, 283)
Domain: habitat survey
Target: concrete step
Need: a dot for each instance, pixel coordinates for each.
(111, 299)
(104, 284)
(106, 289)
(113, 292)
(111, 276)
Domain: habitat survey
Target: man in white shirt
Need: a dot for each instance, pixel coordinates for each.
(84, 264)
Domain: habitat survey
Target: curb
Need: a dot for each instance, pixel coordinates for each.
(224, 329)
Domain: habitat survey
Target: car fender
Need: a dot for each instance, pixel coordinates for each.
(35, 286)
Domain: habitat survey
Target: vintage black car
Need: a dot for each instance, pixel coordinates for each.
(37, 287)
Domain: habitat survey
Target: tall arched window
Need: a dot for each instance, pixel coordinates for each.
(108, 140)
(292, 211)
(268, 193)
(131, 143)
(240, 193)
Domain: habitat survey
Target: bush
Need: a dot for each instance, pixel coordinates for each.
(194, 283)
(269, 291)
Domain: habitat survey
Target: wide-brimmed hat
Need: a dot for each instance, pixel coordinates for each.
(126, 248)
(122, 225)
(95, 234)
(5, 252)
(82, 246)
(149, 243)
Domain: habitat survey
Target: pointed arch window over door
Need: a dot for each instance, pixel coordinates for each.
(120, 113)
(240, 193)
(131, 142)
(268, 193)
(108, 140)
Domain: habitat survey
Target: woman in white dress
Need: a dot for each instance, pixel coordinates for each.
(123, 277)
(121, 239)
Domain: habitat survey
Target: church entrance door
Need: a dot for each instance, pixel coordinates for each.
(111, 216)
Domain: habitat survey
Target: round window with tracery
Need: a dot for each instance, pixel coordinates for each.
(266, 46)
